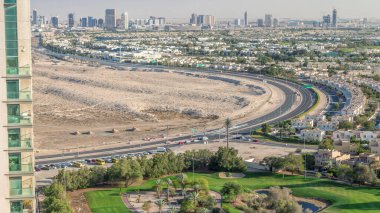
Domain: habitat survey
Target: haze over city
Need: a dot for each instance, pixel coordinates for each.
(180, 9)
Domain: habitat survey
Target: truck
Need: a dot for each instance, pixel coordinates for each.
(161, 149)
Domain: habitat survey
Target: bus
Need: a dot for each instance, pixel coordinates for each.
(100, 162)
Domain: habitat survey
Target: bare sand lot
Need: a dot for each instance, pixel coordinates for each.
(82, 106)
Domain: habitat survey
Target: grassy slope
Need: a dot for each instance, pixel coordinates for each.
(344, 198)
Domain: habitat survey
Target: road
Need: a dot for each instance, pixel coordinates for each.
(284, 112)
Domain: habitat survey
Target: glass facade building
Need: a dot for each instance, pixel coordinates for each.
(17, 182)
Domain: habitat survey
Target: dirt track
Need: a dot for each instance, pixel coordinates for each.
(72, 97)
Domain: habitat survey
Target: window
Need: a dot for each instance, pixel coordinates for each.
(15, 162)
(14, 138)
(13, 89)
(16, 207)
(15, 186)
(9, 1)
(13, 113)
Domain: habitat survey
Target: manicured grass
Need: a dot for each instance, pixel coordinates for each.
(344, 198)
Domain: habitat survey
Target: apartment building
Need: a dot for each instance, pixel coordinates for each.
(17, 183)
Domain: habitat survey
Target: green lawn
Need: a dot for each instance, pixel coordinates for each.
(343, 198)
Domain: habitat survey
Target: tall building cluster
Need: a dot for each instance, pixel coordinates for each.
(17, 190)
(202, 20)
(268, 21)
(330, 21)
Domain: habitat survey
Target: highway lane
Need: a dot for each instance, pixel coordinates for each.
(276, 116)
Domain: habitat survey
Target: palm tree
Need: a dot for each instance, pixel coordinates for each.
(182, 180)
(158, 187)
(228, 124)
(195, 197)
(169, 182)
(160, 203)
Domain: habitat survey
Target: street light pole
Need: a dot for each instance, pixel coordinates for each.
(304, 148)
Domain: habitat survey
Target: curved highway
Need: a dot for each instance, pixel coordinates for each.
(280, 114)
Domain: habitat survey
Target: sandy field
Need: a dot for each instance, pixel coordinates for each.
(76, 105)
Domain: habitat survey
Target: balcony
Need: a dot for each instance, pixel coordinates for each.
(19, 96)
(20, 114)
(24, 206)
(19, 139)
(18, 71)
(20, 163)
(22, 192)
(16, 144)
(21, 187)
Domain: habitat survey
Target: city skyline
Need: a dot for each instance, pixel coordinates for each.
(181, 10)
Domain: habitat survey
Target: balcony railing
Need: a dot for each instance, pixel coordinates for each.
(23, 192)
(19, 168)
(23, 119)
(21, 95)
(20, 71)
(25, 143)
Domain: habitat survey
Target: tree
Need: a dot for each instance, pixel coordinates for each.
(147, 206)
(55, 199)
(293, 163)
(228, 124)
(375, 166)
(231, 190)
(195, 197)
(273, 163)
(346, 125)
(133, 172)
(363, 174)
(345, 172)
(182, 178)
(265, 128)
(158, 187)
(160, 203)
(287, 206)
(227, 160)
(326, 144)
(169, 182)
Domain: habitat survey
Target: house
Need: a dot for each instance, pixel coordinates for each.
(328, 125)
(312, 135)
(345, 146)
(300, 124)
(326, 157)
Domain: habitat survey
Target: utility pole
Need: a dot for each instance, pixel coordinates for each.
(304, 148)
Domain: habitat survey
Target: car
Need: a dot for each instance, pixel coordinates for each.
(196, 141)
(37, 169)
(108, 160)
(187, 141)
(181, 142)
(46, 167)
(88, 161)
(255, 140)
(115, 160)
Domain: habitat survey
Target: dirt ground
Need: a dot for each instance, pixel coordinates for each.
(76, 106)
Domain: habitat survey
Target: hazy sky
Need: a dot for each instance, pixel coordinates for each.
(311, 9)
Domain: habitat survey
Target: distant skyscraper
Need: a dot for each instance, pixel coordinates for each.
(200, 19)
(246, 19)
(17, 182)
(101, 23)
(54, 21)
(91, 21)
(124, 21)
(268, 20)
(194, 18)
(110, 19)
(71, 20)
(162, 21)
(83, 22)
(260, 22)
(209, 20)
(237, 22)
(334, 18)
(275, 22)
(34, 17)
(327, 21)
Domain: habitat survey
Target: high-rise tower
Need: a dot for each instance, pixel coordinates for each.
(17, 183)
(334, 18)
(110, 19)
(246, 19)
